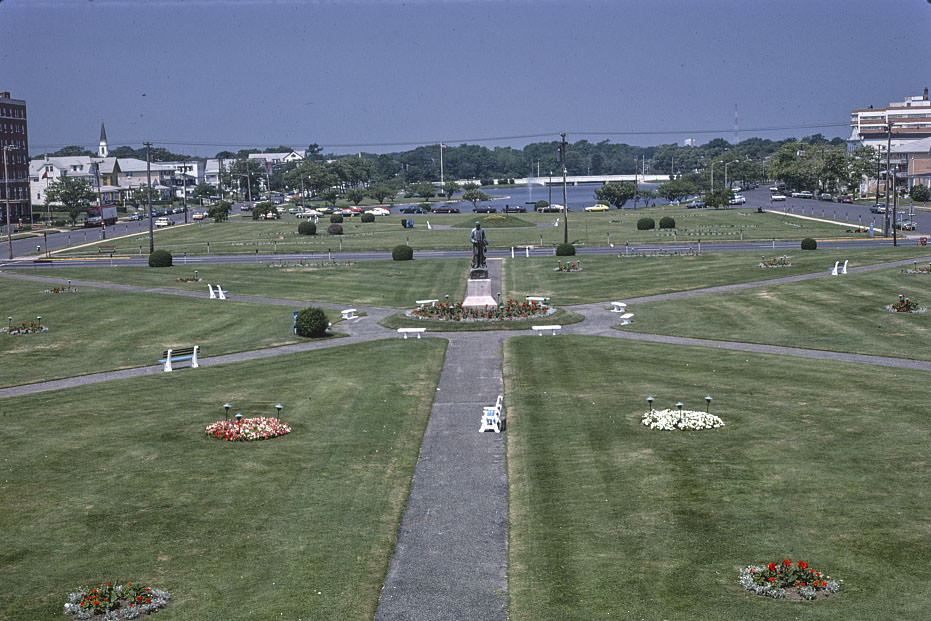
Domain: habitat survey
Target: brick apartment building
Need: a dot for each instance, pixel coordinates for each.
(15, 174)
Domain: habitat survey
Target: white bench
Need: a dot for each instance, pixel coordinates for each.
(619, 307)
(626, 318)
(843, 270)
(540, 329)
(220, 294)
(177, 354)
(349, 313)
(538, 299)
(491, 417)
(406, 331)
(834, 269)
(422, 303)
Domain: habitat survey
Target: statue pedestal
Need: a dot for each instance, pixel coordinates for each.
(478, 294)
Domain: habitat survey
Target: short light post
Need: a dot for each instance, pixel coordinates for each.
(38, 321)
(195, 275)
(9, 323)
(708, 404)
(650, 401)
(226, 406)
(239, 418)
(278, 407)
(679, 405)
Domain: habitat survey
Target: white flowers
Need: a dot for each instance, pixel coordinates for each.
(672, 420)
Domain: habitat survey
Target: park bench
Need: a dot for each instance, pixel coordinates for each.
(541, 329)
(834, 269)
(843, 269)
(626, 318)
(349, 313)
(406, 331)
(106, 249)
(491, 417)
(619, 307)
(220, 294)
(176, 354)
(422, 303)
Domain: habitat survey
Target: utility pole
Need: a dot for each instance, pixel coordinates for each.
(888, 152)
(442, 146)
(565, 202)
(103, 225)
(148, 186)
(6, 196)
(184, 188)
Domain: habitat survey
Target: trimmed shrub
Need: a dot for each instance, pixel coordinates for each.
(335, 229)
(307, 228)
(336, 218)
(160, 258)
(565, 250)
(667, 222)
(311, 323)
(646, 224)
(368, 217)
(809, 244)
(402, 253)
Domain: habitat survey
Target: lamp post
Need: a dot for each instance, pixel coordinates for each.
(278, 407)
(726, 164)
(708, 404)
(226, 406)
(650, 401)
(565, 201)
(10, 323)
(6, 196)
(679, 405)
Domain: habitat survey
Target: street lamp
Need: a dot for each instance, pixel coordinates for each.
(726, 164)
(650, 401)
(708, 404)
(226, 406)
(6, 196)
(278, 407)
(679, 405)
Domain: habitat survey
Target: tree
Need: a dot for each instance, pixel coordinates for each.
(676, 190)
(380, 192)
(329, 197)
(71, 151)
(75, 193)
(203, 190)
(718, 198)
(920, 193)
(219, 212)
(425, 189)
(450, 188)
(616, 194)
(475, 196)
(355, 195)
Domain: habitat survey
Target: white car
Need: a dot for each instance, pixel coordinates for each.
(197, 215)
(379, 211)
(163, 222)
(598, 207)
(737, 200)
(778, 197)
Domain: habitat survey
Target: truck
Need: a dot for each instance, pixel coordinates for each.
(93, 216)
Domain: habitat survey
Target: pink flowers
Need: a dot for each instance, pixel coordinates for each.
(248, 429)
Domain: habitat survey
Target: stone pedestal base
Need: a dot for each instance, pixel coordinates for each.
(478, 294)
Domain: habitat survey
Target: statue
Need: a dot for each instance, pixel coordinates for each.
(479, 244)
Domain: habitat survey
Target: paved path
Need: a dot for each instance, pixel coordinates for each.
(451, 558)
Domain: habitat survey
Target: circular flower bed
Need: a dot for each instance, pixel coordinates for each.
(68, 289)
(248, 429)
(120, 601)
(509, 311)
(905, 305)
(568, 266)
(785, 580)
(187, 279)
(24, 328)
(782, 261)
(675, 420)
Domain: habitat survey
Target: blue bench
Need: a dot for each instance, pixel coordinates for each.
(180, 353)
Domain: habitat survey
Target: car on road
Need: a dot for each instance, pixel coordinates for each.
(413, 209)
(554, 208)
(163, 222)
(485, 209)
(307, 213)
(445, 209)
(877, 208)
(845, 199)
(515, 209)
(907, 225)
(198, 215)
(379, 211)
(598, 208)
(138, 215)
(777, 197)
(737, 200)
(696, 204)
(826, 197)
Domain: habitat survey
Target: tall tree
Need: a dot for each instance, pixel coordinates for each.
(616, 194)
(475, 196)
(75, 193)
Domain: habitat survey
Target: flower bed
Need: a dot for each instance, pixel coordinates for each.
(23, 328)
(509, 311)
(309, 264)
(676, 420)
(782, 261)
(121, 601)
(918, 270)
(568, 267)
(68, 289)
(785, 580)
(905, 305)
(248, 429)
(187, 279)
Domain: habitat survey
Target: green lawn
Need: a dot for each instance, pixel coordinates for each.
(119, 482)
(819, 461)
(97, 330)
(605, 277)
(843, 313)
(245, 236)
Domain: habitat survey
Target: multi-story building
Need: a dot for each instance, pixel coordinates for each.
(14, 166)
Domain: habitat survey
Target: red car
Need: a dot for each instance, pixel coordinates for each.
(845, 199)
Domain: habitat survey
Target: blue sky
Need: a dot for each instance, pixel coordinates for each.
(200, 76)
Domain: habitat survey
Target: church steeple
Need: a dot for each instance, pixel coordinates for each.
(102, 149)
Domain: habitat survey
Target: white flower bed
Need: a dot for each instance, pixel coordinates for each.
(673, 420)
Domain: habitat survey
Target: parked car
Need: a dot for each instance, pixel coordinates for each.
(515, 209)
(844, 199)
(777, 197)
(696, 204)
(803, 194)
(445, 209)
(553, 208)
(737, 200)
(826, 197)
(413, 209)
(907, 225)
(198, 215)
(137, 215)
(877, 208)
(597, 208)
(163, 222)
(307, 213)
(485, 209)
(379, 211)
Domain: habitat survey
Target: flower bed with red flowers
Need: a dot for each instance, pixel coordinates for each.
(120, 601)
(509, 311)
(785, 580)
(568, 266)
(68, 289)
(905, 305)
(248, 429)
(24, 328)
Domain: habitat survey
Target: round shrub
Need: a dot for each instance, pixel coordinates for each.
(565, 250)
(335, 229)
(307, 228)
(646, 224)
(368, 217)
(311, 323)
(667, 222)
(809, 244)
(336, 218)
(402, 253)
(160, 258)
